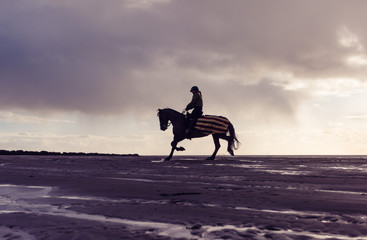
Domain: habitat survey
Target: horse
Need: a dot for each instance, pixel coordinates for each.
(169, 116)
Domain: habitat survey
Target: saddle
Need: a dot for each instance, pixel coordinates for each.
(210, 124)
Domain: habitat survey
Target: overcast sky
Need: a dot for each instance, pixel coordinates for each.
(89, 75)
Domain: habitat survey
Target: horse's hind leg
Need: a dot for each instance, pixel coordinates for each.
(229, 148)
(217, 146)
(229, 140)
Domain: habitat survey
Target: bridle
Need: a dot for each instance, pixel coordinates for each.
(164, 126)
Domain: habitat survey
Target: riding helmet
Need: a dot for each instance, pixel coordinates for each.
(194, 88)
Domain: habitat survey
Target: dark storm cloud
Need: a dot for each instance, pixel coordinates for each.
(110, 57)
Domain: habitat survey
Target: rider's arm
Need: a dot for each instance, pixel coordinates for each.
(192, 104)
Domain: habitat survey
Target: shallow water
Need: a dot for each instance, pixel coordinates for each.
(11, 233)
(14, 200)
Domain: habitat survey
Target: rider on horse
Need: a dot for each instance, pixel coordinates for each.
(196, 104)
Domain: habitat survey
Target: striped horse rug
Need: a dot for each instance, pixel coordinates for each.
(212, 124)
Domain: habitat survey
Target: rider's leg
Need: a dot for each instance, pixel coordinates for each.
(196, 113)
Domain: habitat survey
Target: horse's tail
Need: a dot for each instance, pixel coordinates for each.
(233, 141)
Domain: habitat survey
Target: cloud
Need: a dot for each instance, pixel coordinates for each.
(10, 117)
(357, 117)
(110, 57)
(263, 99)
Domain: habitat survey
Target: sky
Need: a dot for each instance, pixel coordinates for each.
(89, 75)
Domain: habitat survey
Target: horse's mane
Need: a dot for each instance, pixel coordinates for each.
(167, 109)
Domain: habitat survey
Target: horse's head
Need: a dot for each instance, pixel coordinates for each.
(163, 119)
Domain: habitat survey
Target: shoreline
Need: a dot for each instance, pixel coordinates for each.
(47, 153)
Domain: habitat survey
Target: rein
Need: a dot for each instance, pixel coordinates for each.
(169, 123)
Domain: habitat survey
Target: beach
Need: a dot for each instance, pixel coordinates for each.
(143, 197)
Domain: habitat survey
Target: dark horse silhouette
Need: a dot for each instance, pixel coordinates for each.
(178, 122)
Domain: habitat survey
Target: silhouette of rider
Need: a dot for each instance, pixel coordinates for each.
(196, 104)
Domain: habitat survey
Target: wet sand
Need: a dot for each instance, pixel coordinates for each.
(245, 197)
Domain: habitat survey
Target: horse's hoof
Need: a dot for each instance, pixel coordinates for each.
(210, 158)
(231, 152)
(180, 149)
(167, 159)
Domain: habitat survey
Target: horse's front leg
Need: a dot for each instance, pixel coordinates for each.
(174, 145)
(176, 140)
